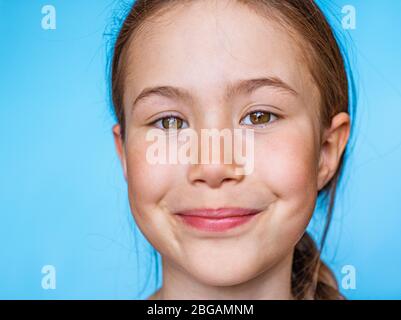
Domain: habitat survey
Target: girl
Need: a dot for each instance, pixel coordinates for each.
(270, 66)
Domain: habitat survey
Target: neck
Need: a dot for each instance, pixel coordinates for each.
(272, 284)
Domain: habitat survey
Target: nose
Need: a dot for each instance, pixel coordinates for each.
(214, 173)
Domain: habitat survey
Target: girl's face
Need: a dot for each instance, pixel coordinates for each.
(202, 48)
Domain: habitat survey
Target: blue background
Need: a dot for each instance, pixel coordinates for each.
(63, 199)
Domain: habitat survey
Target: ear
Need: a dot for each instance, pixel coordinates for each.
(119, 144)
(333, 145)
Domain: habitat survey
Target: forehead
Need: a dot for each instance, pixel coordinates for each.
(205, 45)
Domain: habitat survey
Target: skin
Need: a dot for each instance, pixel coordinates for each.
(209, 45)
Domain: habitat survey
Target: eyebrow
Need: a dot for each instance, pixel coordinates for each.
(240, 87)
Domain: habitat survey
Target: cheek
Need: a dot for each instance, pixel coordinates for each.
(287, 163)
(147, 185)
(147, 182)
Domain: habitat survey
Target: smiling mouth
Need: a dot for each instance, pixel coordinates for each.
(217, 220)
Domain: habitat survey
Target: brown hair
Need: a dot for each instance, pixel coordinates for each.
(311, 278)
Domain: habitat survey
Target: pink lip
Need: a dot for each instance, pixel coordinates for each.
(217, 220)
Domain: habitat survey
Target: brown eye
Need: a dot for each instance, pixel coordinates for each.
(258, 118)
(170, 122)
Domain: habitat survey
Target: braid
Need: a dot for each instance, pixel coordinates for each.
(311, 278)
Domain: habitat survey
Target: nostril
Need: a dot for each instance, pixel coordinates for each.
(227, 180)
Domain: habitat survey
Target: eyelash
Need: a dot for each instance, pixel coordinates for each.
(153, 123)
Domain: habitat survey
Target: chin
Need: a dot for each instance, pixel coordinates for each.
(223, 273)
